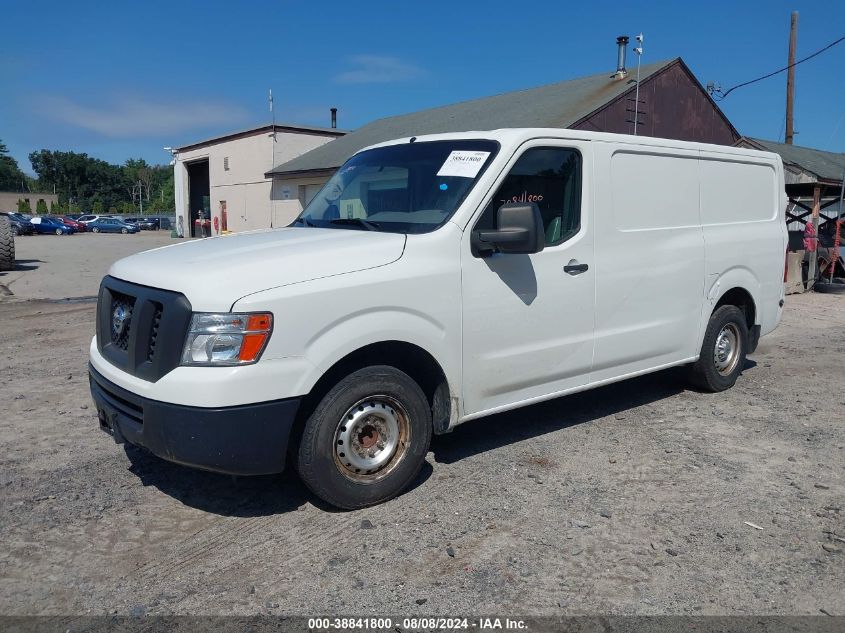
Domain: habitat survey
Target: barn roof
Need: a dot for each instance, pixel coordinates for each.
(560, 105)
(825, 166)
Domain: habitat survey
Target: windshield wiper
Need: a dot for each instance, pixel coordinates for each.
(304, 221)
(367, 224)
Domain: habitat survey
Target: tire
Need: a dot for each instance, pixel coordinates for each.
(717, 368)
(837, 287)
(95, 230)
(378, 409)
(15, 231)
(59, 231)
(7, 244)
(124, 231)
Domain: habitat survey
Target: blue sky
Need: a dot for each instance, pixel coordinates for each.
(123, 79)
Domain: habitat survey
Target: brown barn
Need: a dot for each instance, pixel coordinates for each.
(672, 104)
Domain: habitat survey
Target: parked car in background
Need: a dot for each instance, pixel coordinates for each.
(146, 223)
(47, 225)
(85, 219)
(111, 225)
(19, 224)
(69, 221)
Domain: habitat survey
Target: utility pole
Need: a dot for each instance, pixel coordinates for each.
(140, 188)
(790, 79)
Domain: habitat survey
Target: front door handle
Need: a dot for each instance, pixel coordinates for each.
(574, 268)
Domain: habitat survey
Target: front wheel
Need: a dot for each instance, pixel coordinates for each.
(723, 350)
(95, 230)
(124, 231)
(59, 231)
(367, 438)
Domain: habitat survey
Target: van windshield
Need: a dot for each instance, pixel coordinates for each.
(408, 188)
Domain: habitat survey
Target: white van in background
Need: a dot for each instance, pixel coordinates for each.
(435, 280)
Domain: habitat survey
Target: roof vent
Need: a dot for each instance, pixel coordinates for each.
(622, 44)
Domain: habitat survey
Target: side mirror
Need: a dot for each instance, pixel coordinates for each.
(519, 231)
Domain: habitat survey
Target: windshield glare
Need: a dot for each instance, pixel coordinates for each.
(408, 188)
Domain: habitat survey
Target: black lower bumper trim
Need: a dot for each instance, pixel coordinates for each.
(243, 440)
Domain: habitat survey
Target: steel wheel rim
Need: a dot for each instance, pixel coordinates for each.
(371, 439)
(726, 351)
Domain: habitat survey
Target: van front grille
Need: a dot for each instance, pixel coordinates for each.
(132, 331)
(151, 348)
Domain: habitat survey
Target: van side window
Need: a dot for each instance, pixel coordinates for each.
(550, 177)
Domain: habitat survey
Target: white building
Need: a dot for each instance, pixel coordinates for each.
(224, 178)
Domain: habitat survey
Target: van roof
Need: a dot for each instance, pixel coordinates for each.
(517, 136)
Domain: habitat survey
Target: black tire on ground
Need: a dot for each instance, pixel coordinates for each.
(59, 231)
(15, 231)
(837, 287)
(7, 244)
(124, 231)
(95, 230)
(722, 352)
(356, 423)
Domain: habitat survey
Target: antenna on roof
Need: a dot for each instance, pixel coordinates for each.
(639, 51)
(272, 150)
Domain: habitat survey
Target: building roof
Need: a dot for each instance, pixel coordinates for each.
(559, 105)
(823, 165)
(252, 131)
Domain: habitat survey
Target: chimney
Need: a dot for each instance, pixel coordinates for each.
(622, 43)
(334, 118)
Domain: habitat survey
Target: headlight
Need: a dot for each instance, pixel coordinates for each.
(226, 339)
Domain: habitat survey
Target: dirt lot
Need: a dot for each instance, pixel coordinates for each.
(630, 499)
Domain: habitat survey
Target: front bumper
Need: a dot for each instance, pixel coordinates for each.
(242, 440)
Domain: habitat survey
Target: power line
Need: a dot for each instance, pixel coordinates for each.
(722, 95)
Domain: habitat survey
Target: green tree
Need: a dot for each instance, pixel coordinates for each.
(81, 177)
(23, 206)
(97, 208)
(41, 207)
(112, 210)
(127, 208)
(11, 177)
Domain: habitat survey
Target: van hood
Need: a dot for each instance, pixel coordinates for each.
(214, 273)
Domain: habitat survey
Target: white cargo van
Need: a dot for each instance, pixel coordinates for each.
(432, 281)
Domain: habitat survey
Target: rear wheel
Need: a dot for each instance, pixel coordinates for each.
(723, 350)
(95, 230)
(367, 438)
(59, 231)
(124, 230)
(837, 286)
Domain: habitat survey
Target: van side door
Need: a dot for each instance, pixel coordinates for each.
(649, 258)
(528, 319)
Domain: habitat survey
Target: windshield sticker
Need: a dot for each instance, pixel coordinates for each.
(464, 164)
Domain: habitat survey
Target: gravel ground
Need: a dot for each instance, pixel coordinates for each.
(70, 266)
(631, 499)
